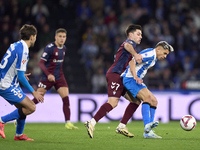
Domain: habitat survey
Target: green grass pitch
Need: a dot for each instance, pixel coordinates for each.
(54, 136)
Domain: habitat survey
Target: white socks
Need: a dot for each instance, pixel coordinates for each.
(68, 121)
(1, 120)
(93, 121)
(18, 135)
(121, 125)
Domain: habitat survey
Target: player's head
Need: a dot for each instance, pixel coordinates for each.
(163, 49)
(28, 33)
(134, 32)
(60, 37)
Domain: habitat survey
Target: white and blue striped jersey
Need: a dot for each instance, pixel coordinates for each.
(16, 58)
(149, 60)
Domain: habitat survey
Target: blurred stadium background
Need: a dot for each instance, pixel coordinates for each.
(95, 31)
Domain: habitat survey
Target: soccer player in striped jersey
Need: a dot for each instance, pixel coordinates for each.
(12, 69)
(51, 63)
(132, 80)
(114, 82)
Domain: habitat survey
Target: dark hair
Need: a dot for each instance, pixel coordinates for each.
(165, 45)
(132, 28)
(60, 30)
(26, 31)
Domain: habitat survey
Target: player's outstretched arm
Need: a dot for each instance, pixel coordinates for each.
(43, 67)
(26, 75)
(130, 49)
(25, 83)
(38, 96)
(22, 79)
(138, 58)
(133, 72)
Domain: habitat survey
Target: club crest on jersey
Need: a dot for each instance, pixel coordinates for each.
(114, 92)
(23, 62)
(25, 53)
(44, 54)
(56, 53)
(130, 42)
(19, 95)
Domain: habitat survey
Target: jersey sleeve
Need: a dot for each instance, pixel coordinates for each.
(43, 67)
(147, 55)
(47, 52)
(22, 58)
(24, 81)
(131, 42)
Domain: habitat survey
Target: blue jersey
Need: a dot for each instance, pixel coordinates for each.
(53, 57)
(16, 58)
(149, 60)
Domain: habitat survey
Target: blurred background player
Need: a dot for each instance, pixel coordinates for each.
(51, 63)
(114, 81)
(132, 80)
(12, 69)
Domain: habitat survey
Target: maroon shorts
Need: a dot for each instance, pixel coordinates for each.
(115, 85)
(57, 84)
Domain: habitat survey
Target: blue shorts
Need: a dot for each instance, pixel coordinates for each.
(133, 87)
(13, 94)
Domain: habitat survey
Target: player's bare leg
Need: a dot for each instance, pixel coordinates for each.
(147, 98)
(28, 107)
(64, 92)
(42, 91)
(103, 110)
(25, 107)
(131, 108)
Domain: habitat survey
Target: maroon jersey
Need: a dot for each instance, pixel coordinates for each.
(53, 57)
(122, 58)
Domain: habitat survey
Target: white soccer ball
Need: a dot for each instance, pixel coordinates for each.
(188, 122)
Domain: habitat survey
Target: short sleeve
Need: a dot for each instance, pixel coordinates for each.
(131, 42)
(22, 58)
(47, 52)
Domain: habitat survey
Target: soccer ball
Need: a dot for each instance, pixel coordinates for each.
(188, 122)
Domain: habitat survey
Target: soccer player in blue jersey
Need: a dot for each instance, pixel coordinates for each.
(114, 82)
(51, 63)
(132, 80)
(12, 69)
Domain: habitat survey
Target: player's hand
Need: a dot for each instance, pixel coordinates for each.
(38, 96)
(51, 78)
(138, 58)
(26, 75)
(138, 80)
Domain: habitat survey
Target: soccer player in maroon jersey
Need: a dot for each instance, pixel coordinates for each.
(115, 86)
(51, 63)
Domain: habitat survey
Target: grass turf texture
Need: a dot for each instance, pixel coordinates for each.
(54, 136)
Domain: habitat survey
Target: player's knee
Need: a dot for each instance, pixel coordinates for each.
(147, 99)
(32, 109)
(154, 102)
(113, 103)
(138, 102)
